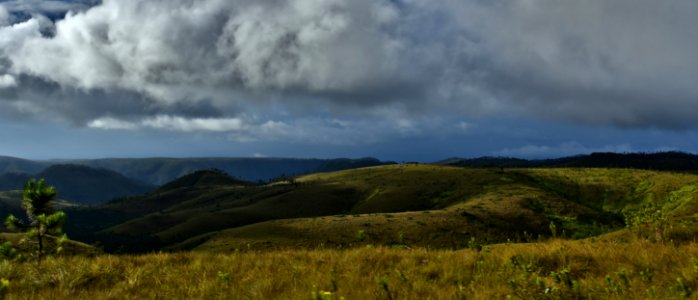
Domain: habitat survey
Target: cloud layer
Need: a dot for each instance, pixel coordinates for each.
(210, 65)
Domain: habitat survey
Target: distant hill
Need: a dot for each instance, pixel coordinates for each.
(201, 179)
(80, 184)
(18, 165)
(664, 161)
(87, 185)
(98, 181)
(13, 181)
(158, 171)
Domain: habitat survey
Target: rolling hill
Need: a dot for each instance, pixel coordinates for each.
(159, 171)
(89, 185)
(98, 181)
(80, 184)
(11, 203)
(19, 165)
(421, 205)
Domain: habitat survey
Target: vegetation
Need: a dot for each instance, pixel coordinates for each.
(37, 200)
(611, 267)
(444, 207)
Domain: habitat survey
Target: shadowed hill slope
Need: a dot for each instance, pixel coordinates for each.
(90, 186)
(80, 184)
(203, 178)
(11, 203)
(19, 165)
(162, 170)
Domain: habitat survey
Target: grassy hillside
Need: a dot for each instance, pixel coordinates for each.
(24, 246)
(443, 207)
(423, 205)
(588, 269)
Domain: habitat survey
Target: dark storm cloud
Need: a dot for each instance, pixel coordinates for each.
(624, 63)
(48, 101)
(133, 63)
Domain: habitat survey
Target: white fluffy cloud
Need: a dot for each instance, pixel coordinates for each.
(248, 129)
(160, 47)
(166, 122)
(625, 63)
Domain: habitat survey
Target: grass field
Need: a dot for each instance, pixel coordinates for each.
(615, 267)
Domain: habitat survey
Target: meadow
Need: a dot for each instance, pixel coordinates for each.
(619, 266)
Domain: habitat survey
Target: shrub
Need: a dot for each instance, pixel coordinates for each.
(37, 201)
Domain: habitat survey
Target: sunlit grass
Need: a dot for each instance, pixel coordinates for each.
(621, 268)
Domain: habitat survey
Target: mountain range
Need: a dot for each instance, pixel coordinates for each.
(665, 161)
(443, 205)
(97, 181)
(100, 180)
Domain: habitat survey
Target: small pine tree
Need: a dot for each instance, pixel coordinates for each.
(37, 201)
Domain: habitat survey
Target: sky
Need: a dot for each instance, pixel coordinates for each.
(402, 80)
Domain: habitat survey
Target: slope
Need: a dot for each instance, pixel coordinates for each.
(158, 171)
(448, 205)
(471, 206)
(90, 186)
(11, 203)
(19, 165)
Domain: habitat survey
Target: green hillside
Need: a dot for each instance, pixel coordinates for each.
(459, 205)
(435, 206)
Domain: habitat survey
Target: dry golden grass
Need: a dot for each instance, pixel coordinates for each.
(617, 267)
